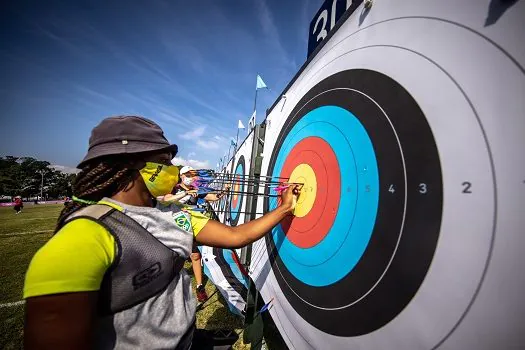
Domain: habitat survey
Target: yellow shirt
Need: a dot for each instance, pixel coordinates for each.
(76, 258)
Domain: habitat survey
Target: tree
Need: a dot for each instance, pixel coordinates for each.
(23, 176)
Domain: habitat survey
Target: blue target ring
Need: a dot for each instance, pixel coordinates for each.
(237, 197)
(339, 252)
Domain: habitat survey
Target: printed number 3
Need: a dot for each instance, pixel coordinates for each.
(422, 188)
(323, 33)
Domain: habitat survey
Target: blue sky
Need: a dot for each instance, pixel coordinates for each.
(189, 65)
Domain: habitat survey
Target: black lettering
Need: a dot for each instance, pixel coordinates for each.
(147, 276)
(157, 172)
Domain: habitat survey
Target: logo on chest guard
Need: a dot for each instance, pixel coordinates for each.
(182, 222)
(146, 276)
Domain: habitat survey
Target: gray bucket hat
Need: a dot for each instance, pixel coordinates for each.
(126, 135)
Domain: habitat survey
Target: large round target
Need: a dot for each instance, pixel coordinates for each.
(371, 202)
(237, 190)
(223, 203)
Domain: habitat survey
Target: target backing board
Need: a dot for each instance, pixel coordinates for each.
(236, 209)
(407, 129)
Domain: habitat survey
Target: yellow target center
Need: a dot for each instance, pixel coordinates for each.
(304, 174)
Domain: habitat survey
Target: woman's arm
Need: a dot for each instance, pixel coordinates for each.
(213, 197)
(178, 196)
(219, 235)
(60, 321)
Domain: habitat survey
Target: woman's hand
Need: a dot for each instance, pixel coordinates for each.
(192, 193)
(289, 197)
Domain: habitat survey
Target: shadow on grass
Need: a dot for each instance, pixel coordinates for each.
(11, 327)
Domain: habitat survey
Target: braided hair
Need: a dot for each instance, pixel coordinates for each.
(103, 178)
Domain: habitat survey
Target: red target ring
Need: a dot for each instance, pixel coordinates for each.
(309, 230)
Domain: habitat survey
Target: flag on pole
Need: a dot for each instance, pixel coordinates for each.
(251, 123)
(260, 83)
(241, 125)
(232, 142)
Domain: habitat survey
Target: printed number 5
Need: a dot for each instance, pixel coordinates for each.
(422, 188)
(323, 33)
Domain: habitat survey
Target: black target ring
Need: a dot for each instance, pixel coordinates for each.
(370, 295)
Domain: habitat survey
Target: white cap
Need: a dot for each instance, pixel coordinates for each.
(185, 169)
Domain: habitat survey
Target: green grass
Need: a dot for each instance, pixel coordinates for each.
(23, 234)
(18, 243)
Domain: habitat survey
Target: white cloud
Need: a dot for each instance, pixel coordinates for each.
(207, 144)
(272, 33)
(191, 154)
(192, 134)
(198, 164)
(65, 169)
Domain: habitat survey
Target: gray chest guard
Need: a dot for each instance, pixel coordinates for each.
(143, 266)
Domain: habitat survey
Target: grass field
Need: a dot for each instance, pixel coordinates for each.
(22, 235)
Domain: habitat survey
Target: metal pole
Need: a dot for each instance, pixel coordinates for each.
(255, 102)
(236, 139)
(42, 185)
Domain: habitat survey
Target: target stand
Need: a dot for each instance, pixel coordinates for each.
(410, 153)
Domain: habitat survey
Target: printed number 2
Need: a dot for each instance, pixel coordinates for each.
(466, 188)
(323, 33)
(422, 188)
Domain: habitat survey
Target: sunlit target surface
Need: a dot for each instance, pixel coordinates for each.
(240, 182)
(407, 135)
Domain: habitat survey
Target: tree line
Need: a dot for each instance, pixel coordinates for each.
(22, 176)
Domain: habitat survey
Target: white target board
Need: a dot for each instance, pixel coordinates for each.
(236, 209)
(407, 129)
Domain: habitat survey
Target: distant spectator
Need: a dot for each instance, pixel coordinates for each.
(19, 205)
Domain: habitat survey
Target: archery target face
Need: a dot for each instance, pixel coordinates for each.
(219, 205)
(334, 142)
(397, 141)
(237, 187)
(241, 182)
(225, 200)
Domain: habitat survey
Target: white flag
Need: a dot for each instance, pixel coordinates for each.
(251, 123)
(241, 125)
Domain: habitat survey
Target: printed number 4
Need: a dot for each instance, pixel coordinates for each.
(391, 189)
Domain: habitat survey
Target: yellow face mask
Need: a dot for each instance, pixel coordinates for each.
(159, 178)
